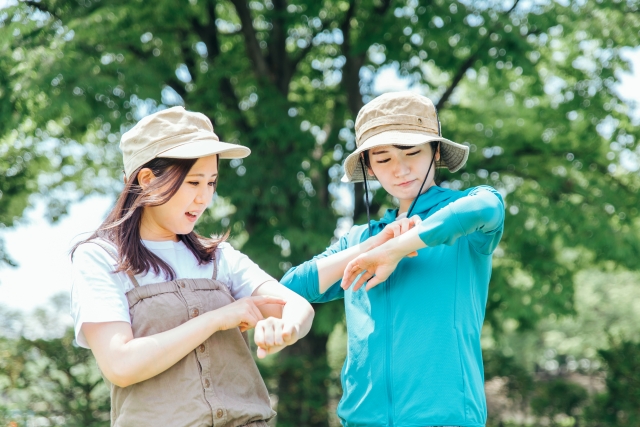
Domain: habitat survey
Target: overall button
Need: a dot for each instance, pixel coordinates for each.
(219, 413)
(195, 312)
(182, 285)
(206, 383)
(201, 348)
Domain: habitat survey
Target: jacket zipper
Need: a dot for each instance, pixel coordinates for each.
(388, 349)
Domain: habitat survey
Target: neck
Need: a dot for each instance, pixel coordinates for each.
(149, 230)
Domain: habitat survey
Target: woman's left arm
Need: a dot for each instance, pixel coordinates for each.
(282, 326)
(482, 210)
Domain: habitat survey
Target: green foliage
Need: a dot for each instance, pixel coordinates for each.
(52, 380)
(620, 405)
(557, 370)
(556, 397)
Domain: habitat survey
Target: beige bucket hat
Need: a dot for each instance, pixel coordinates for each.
(174, 133)
(401, 118)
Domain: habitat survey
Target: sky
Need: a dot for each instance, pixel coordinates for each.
(41, 249)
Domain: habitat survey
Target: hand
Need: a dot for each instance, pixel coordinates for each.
(376, 266)
(392, 230)
(244, 312)
(272, 335)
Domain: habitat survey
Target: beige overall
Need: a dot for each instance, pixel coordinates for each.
(217, 384)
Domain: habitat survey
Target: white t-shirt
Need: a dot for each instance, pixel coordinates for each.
(98, 295)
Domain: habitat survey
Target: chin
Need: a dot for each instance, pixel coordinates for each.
(184, 230)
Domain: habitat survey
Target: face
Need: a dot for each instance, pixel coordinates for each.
(401, 171)
(180, 213)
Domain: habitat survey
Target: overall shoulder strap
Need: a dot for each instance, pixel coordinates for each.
(215, 267)
(114, 255)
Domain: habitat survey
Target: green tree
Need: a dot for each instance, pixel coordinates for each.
(49, 379)
(530, 87)
(620, 405)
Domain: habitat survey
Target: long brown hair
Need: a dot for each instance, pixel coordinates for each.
(122, 226)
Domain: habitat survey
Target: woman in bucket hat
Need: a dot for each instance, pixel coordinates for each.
(413, 350)
(163, 309)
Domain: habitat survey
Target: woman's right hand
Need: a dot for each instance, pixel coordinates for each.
(244, 313)
(392, 230)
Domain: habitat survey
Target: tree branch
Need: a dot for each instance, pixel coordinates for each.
(467, 64)
(353, 63)
(209, 36)
(254, 51)
(42, 7)
(515, 3)
(458, 77)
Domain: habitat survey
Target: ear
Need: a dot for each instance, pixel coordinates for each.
(438, 153)
(145, 177)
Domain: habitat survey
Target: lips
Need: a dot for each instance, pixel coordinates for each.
(406, 183)
(192, 215)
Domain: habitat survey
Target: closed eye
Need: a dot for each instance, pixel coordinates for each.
(413, 153)
(382, 161)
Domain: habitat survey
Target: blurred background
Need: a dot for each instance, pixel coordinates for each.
(544, 93)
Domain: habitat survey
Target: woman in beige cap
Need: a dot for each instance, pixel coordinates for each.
(163, 309)
(413, 352)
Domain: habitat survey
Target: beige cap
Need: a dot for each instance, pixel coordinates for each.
(174, 133)
(401, 118)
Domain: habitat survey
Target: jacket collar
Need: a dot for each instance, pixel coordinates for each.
(427, 201)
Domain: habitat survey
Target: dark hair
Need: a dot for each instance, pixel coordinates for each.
(122, 226)
(434, 146)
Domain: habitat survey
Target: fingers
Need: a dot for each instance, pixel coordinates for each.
(269, 336)
(248, 314)
(256, 312)
(272, 335)
(277, 334)
(258, 335)
(349, 277)
(372, 283)
(362, 280)
(405, 225)
(289, 333)
(262, 353)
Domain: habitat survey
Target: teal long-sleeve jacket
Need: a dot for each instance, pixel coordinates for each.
(413, 351)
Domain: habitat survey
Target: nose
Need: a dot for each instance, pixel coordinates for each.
(204, 195)
(401, 168)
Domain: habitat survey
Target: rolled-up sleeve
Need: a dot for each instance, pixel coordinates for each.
(304, 281)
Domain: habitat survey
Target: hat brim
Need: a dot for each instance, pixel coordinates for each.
(206, 146)
(453, 156)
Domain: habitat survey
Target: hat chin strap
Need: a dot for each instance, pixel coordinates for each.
(366, 195)
(413, 204)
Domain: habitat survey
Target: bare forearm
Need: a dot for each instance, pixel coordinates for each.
(130, 361)
(331, 268)
(404, 244)
(299, 312)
